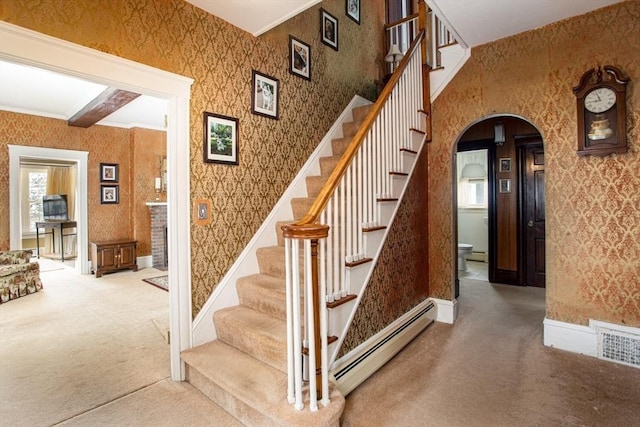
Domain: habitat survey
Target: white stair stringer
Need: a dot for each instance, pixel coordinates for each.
(452, 58)
(340, 317)
(225, 294)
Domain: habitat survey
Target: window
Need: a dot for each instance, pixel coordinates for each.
(34, 183)
(476, 194)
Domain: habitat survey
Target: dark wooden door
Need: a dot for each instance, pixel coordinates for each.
(533, 198)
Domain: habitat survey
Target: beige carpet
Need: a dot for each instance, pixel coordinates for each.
(491, 369)
(90, 352)
(79, 343)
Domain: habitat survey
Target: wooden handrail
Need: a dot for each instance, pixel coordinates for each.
(400, 21)
(334, 179)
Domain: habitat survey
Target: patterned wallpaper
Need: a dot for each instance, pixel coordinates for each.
(104, 145)
(175, 36)
(593, 204)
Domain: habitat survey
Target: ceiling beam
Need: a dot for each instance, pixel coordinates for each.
(110, 100)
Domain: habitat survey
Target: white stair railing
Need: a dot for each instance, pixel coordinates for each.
(330, 238)
(402, 33)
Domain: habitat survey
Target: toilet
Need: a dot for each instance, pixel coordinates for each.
(464, 249)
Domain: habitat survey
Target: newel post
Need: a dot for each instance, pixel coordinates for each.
(312, 232)
(424, 25)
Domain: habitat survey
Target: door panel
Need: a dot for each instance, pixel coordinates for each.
(534, 216)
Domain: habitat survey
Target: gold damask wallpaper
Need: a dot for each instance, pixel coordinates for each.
(134, 150)
(175, 36)
(593, 204)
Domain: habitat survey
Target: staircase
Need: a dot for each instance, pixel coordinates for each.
(281, 312)
(245, 369)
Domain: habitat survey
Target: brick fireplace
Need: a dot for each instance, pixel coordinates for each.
(159, 249)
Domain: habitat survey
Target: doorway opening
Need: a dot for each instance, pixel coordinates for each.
(29, 47)
(499, 200)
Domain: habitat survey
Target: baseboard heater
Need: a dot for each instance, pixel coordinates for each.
(354, 368)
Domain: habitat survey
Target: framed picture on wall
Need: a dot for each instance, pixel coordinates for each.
(353, 10)
(505, 165)
(108, 172)
(299, 58)
(109, 194)
(264, 96)
(220, 143)
(329, 29)
(505, 186)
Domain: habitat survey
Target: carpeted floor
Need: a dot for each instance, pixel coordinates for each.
(88, 352)
(78, 344)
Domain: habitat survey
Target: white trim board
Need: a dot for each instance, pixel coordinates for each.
(28, 47)
(447, 311)
(581, 339)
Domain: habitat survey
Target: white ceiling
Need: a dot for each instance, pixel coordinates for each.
(29, 90)
(478, 22)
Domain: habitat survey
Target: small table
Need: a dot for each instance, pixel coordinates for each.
(53, 225)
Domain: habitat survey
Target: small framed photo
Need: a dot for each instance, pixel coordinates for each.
(220, 143)
(264, 97)
(353, 10)
(108, 172)
(328, 29)
(109, 194)
(505, 165)
(202, 211)
(505, 186)
(299, 58)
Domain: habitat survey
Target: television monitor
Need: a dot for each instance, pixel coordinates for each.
(54, 207)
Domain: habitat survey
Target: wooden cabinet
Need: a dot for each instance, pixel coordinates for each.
(113, 255)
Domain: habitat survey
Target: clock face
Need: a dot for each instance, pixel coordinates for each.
(600, 100)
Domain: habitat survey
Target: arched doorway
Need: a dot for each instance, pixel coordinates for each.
(504, 197)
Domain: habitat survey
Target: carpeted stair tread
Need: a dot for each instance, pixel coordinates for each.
(360, 113)
(256, 334)
(271, 261)
(349, 129)
(339, 145)
(251, 391)
(315, 184)
(300, 206)
(328, 164)
(265, 294)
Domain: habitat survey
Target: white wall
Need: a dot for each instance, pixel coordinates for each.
(472, 229)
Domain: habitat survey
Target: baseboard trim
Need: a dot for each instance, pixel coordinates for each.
(358, 365)
(584, 339)
(570, 337)
(447, 311)
(145, 261)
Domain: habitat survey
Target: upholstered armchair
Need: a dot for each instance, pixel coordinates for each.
(18, 276)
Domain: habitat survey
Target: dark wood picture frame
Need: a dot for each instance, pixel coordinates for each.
(352, 8)
(329, 29)
(299, 58)
(109, 194)
(109, 172)
(265, 95)
(505, 164)
(220, 139)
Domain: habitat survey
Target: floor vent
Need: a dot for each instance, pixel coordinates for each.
(618, 346)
